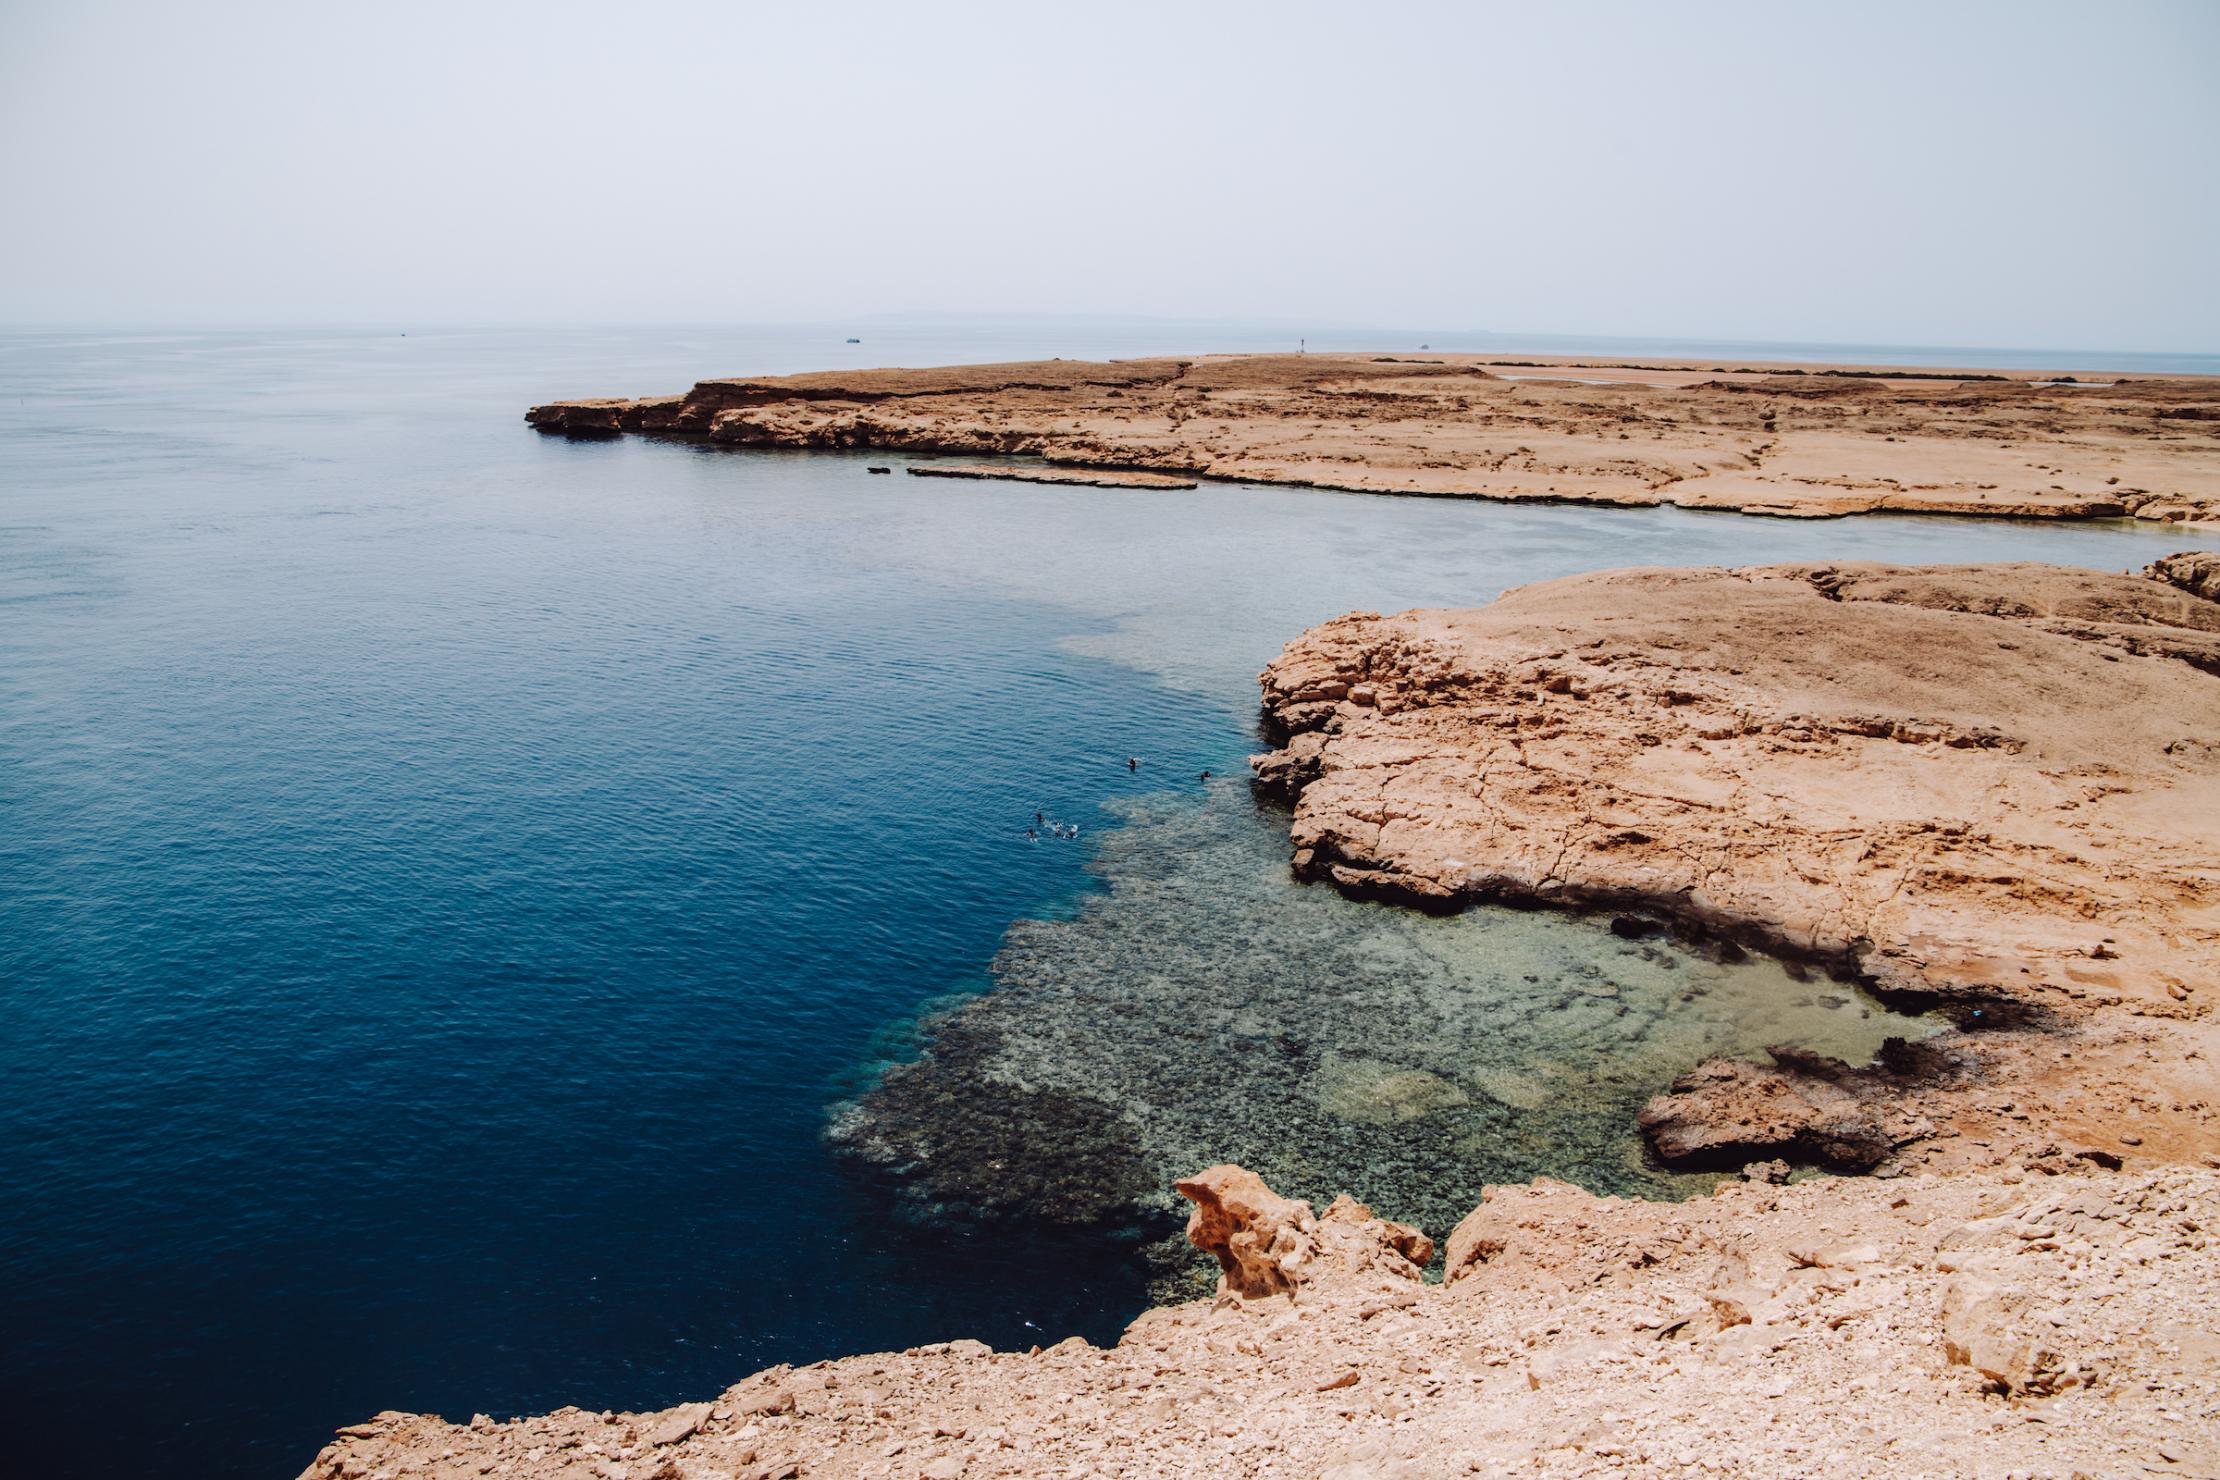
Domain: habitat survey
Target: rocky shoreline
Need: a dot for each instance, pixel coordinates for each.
(1807, 442)
(1985, 790)
(1042, 473)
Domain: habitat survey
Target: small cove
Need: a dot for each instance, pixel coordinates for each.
(448, 873)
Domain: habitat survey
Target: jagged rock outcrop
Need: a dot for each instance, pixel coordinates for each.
(1979, 787)
(1816, 443)
(2195, 571)
(1266, 1244)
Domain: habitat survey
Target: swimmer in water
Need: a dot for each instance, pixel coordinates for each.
(1206, 775)
(1133, 763)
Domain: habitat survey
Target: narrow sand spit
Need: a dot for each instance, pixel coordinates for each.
(1807, 441)
(1988, 788)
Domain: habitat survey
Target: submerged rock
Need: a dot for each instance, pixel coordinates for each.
(973, 1146)
(1805, 1107)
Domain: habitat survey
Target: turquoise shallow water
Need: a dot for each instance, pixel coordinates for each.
(446, 875)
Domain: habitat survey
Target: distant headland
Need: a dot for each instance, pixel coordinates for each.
(1803, 441)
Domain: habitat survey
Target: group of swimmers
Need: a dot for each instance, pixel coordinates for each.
(1041, 824)
(1043, 827)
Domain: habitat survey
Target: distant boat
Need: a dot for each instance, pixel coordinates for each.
(855, 341)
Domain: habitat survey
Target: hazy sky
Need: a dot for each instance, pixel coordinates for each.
(2026, 173)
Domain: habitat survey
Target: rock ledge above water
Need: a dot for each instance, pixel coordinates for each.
(1988, 788)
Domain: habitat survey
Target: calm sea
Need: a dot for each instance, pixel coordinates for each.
(446, 874)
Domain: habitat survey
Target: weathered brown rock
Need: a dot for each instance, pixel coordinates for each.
(608, 418)
(1266, 1244)
(1819, 442)
(2195, 571)
(1985, 787)
(1995, 1332)
(677, 1425)
(1518, 1222)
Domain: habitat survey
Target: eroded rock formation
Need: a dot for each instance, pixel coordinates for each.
(1988, 787)
(1807, 442)
(1266, 1244)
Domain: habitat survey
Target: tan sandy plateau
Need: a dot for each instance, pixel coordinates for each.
(1807, 441)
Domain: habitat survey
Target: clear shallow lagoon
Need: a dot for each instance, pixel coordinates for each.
(446, 874)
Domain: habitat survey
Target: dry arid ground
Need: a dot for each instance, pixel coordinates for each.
(1992, 1324)
(1809, 441)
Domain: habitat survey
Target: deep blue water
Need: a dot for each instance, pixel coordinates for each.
(446, 874)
